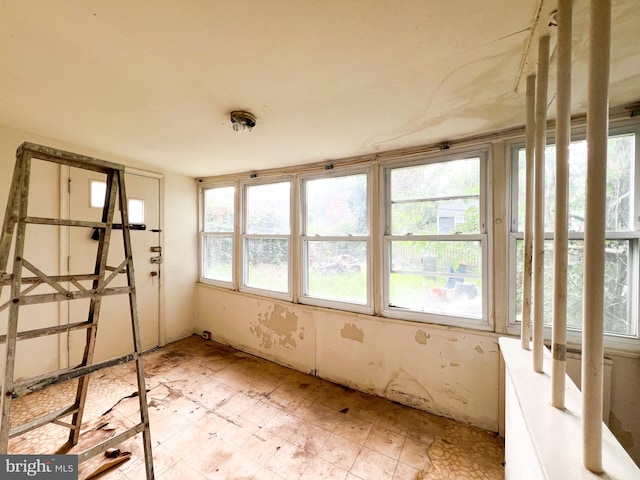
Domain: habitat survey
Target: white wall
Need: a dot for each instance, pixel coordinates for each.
(447, 371)
(180, 256)
(179, 273)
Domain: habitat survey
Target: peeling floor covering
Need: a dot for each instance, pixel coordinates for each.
(218, 413)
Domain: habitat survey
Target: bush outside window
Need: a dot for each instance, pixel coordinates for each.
(266, 236)
(621, 248)
(218, 206)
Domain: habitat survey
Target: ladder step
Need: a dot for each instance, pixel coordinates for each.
(107, 444)
(40, 421)
(41, 332)
(59, 297)
(64, 222)
(6, 279)
(35, 384)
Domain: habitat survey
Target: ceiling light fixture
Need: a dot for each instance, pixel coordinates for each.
(242, 121)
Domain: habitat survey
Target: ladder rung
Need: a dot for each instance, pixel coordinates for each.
(59, 297)
(38, 383)
(7, 279)
(40, 421)
(107, 444)
(64, 222)
(41, 332)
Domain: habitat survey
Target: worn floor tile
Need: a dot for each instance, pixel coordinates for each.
(217, 413)
(371, 465)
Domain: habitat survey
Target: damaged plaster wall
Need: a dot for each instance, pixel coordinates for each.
(437, 369)
(277, 331)
(442, 370)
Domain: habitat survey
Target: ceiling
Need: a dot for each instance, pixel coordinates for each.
(154, 80)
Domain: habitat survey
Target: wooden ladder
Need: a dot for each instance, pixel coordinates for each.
(15, 227)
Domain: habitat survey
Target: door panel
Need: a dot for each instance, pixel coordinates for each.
(114, 330)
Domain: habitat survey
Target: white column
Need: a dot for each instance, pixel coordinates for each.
(530, 130)
(563, 139)
(538, 222)
(594, 238)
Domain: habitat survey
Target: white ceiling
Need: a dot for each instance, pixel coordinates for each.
(155, 80)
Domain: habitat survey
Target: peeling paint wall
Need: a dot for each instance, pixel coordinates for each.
(445, 371)
(277, 326)
(273, 330)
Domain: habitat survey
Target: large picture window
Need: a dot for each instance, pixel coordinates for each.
(335, 240)
(621, 249)
(435, 240)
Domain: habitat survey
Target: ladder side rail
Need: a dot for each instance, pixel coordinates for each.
(12, 328)
(135, 326)
(96, 301)
(10, 217)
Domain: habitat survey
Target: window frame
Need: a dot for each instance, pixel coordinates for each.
(204, 234)
(612, 341)
(484, 236)
(304, 239)
(242, 258)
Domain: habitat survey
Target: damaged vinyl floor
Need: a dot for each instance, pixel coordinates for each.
(217, 413)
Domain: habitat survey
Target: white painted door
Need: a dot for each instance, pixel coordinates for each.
(114, 330)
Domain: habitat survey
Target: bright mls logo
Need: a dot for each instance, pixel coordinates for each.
(45, 467)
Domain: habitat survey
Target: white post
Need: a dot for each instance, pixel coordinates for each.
(530, 129)
(561, 240)
(594, 237)
(538, 228)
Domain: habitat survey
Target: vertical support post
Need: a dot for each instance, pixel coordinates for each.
(530, 130)
(561, 238)
(539, 212)
(594, 238)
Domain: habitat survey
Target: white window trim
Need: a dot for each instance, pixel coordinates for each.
(203, 235)
(612, 343)
(242, 236)
(485, 323)
(303, 240)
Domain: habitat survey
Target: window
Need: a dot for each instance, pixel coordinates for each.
(97, 193)
(218, 206)
(336, 241)
(266, 236)
(136, 210)
(435, 240)
(97, 197)
(621, 251)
